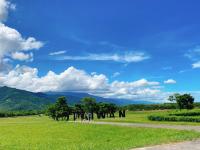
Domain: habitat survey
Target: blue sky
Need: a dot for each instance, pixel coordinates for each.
(125, 41)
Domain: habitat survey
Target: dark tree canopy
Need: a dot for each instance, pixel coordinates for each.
(59, 110)
(84, 110)
(89, 104)
(185, 101)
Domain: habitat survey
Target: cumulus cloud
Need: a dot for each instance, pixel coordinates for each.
(5, 6)
(11, 41)
(12, 44)
(73, 79)
(127, 57)
(170, 81)
(57, 53)
(22, 56)
(24, 77)
(138, 83)
(196, 65)
(140, 89)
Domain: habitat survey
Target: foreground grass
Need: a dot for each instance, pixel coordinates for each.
(43, 133)
(142, 117)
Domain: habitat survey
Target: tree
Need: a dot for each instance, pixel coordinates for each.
(105, 110)
(51, 111)
(78, 108)
(89, 104)
(185, 101)
(101, 110)
(78, 111)
(112, 108)
(173, 98)
(59, 110)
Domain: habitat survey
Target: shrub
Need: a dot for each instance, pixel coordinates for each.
(19, 113)
(179, 117)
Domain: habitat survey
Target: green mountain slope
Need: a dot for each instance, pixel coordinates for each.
(14, 99)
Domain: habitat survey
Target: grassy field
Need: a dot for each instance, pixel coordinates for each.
(141, 117)
(43, 133)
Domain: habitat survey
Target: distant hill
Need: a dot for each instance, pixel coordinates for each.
(12, 99)
(15, 99)
(75, 97)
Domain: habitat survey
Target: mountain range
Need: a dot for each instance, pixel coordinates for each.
(12, 99)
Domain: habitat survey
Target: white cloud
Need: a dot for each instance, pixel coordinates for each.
(24, 77)
(12, 44)
(134, 84)
(115, 74)
(196, 65)
(170, 81)
(57, 53)
(194, 55)
(72, 79)
(5, 6)
(128, 57)
(22, 56)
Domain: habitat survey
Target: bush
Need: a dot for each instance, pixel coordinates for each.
(178, 117)
(174, 118)
(19, 113)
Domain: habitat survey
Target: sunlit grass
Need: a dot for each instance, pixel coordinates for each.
(43, 133)
(142, 117)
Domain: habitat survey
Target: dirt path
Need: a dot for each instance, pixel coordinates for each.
(188, 145)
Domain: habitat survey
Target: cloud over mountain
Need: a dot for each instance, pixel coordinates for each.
(72, 79)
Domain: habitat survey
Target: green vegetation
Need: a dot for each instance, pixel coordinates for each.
(184, 116)
(44, 133)
(174, 118)
(185, 101)
(12, 99)
(142, 107)
(142, 117)
(20, 113)
(59, 110)
(19, 100)
(83, 110)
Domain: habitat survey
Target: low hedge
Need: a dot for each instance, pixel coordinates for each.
(183, 116)
(174, 118)
(186, 114)
(19, 113)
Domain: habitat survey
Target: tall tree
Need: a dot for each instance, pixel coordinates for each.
(185, 101)
(59, 110)
(89, 104)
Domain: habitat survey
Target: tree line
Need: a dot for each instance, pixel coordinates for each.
(176, 101)
(5, 114)
(83, 110)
